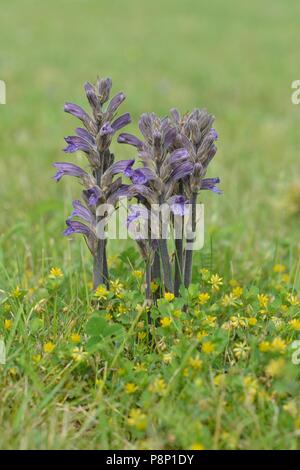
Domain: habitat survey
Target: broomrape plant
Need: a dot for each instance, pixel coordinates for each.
(174, 153)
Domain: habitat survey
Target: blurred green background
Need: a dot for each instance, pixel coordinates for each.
(237, 59)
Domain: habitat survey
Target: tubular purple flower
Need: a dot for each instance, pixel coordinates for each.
(169, 138)
(210, 184)
(68, 169)
(178, 155)
(181, 170)
(104, 87)
(130, 140)
(83, 212)
(123, 166)
(77, 111)
(121, 122)
(214, 134)
(77, 227)
(92, 195)
(84, 134)
(115, 102)
(106, 129)
(91, 95)
(178, 205)
(145, 125)
(76, 143)
(142, 176)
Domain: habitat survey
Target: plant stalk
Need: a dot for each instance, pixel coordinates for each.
(188, 264)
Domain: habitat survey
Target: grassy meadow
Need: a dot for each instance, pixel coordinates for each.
(219, 375)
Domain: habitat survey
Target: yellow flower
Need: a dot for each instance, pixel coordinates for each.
(278, 323)
(75, 338)
(78, 354)
(101, 292)
(203, 298)
(237, 292)
(138, 274)
(295, 324)
(275, 368)
(204, 273)
(263, 300)
(279, 268)
(49, 347)
(159, 386)
(264, 346)
(229, 300)
(130, 388)
(293, 300)
(108, 316)
(165, 322)
(36, 358)
(197, 446)
(7, 324)
(122, 309)
(291, 408)
(219, 379)
(201, 335)
(278, 345)
(285, 278)
(140, 367)
(252, 321)
(195, 363)
(167, 358)
(241, 350)
(216, 281)
(16, 293)
(116, 287)
(55, 273)
(169, 296)
(210, 321)
(237, 321)
(177, 313)
(142, 335)
(137, 419)
(208, 347)
(154, 287)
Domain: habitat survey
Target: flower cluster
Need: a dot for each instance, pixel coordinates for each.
(174, 154)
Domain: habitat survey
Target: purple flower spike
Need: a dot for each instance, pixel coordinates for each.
(130, 140)
(81, 211)
(210, 184)
(67, 169)
(121, 122)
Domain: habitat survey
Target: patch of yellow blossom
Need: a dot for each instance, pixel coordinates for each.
(55, 273)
